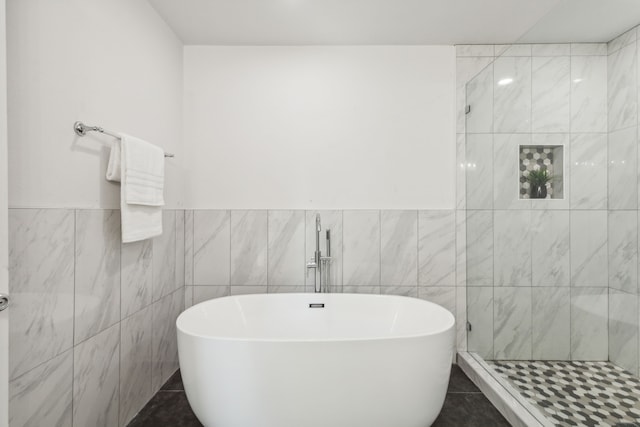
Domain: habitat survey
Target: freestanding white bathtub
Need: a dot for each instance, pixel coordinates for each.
(316, 360)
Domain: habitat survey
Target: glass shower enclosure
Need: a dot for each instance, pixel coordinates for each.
(549, 172)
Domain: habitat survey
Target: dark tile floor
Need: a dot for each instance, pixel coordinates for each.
(464, 406)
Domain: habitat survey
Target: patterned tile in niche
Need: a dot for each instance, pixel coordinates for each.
(577, 393)
(542, 157)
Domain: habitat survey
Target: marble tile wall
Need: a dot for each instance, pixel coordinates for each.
(623, 98)
(399, 252)
(552, 279)
(388, 251)
(92, 328)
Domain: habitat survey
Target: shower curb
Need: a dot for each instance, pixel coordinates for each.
(502, 395)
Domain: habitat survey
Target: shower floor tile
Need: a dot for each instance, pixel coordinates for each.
(576, 393)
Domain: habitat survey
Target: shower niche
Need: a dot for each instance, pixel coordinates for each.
(541, 172)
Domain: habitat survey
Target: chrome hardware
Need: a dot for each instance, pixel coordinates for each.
(316, 305)
(320, 263)
(311, 264)
(4, 301)
(81, 130)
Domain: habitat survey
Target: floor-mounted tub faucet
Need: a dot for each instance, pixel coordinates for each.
(319, 263)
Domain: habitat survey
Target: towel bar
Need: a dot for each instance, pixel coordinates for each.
(81, 130)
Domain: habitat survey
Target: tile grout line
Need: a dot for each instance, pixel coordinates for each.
(493, 243)
(568, 181)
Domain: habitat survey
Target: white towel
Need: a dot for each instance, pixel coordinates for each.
(140, 170)
(114, 165)
(143, 164)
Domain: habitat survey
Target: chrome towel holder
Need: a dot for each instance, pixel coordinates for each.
(81, 130)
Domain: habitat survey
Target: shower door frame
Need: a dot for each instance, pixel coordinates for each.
(4, 245)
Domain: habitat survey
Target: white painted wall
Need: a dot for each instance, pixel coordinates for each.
(112, 63)
(319, 127)
(4, 238)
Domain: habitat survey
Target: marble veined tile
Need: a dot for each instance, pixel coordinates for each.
(623, 169)
(275, 289)
(188, 296)
(188, 247)
(622, 88)
(137, 276)
(204, 293)
(588, 49)
(41, 259)
(479, 171)
(368, 290)
(332, 221)
(474, 50)
(443, 296)
(513, 50)
(405, 291)
(550, 243)
(506, 172)
(480, 316)
(461, 248)
(512, 248)
(286, 247)
(399, 248)
(461, 184)
(43, 396)
(479, 95)
(628, 37)
(164, 345)
(461, 116)
(589, 337)
(248, 289)
(512, 95)
(551, 94)
(469, 67)
(589, 266)
(164, 257)
(466, 69)
(551, 49)
(551, 323)
(361, 248)
(588, 94)
(97, 281)
(437, 248)
(461, 318)
(512, 323)
(96, 370)
(249, 243)
(623, 250)
(589, 171)
(135, 364)
(211, 247)
(638, 77)
(623, 330)
(480, 248)
(180, 246)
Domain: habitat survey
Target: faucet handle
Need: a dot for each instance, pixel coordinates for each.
(310, 264)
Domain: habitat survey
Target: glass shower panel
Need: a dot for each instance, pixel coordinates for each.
(538, 232)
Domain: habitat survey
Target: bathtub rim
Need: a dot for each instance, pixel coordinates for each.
(450, 325)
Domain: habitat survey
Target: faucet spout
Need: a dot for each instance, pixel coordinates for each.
(318, 263)
(318, 256)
